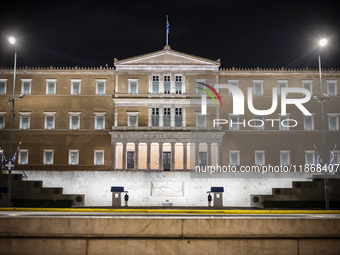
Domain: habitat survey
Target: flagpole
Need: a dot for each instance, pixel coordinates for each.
(323, 137)
(166, 30)
(9, 179)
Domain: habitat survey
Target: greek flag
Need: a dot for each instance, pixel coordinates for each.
(318, 160)
(15, 154)
(4, 160)
(331, 162)
(167, 27)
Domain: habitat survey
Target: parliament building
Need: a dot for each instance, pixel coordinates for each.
(145, 115)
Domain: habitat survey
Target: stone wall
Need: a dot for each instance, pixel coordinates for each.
(150, 188)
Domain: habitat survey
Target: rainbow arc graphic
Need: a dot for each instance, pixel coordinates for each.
(209, 93)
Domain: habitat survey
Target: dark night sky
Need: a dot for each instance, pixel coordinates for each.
(242, 33)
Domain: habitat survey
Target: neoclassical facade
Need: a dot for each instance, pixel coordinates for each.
(146, 114)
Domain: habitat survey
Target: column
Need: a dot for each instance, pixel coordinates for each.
(172, 112)
(160, 156)
(185, 155)
(150, 85)
(116, 116)
(209, 154)
(113, 156)
(172, 84)
(197, 154)
(149, 115)
(184, 116)
(136, 156)
(161, 113)
(148, 156)
(161, 85)
(218, 107)
(172, 156)
(124, 157)
(116, 87)
(184, 89)
(217, 114)
(219, 154)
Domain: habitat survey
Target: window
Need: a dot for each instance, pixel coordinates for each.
(132, 119)
(199, 86)
(259, 158)
(333, 122)
(178, 117)
(284, 158)
(258, 87)
(26, 86)
(23, 157)
(49, 120)
(155, 84)
(3, 87)
(234, 158)
(178, 85)
(99, 120)
(100, 87)
(234, 83)
(74, 120)
(309, 157)
(282, 84)
(133, 86)
(283, 123)
(309, 123)
(51, 86)
(259, 123)
(2, 120)
(48, 157)
(73, 157)
(233, 123)
(166, 117)
(75, 86)
(332, 88)
(200, 120)
(167, 85)
(307, 84)
(99, 157)
(24, 120)
(155, 117)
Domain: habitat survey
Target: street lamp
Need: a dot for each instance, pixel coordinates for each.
(11, 40)
(9, 184)
(323, 98)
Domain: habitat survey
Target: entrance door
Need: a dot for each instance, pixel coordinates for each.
(202, 159)
(130, 160)
(166, 160)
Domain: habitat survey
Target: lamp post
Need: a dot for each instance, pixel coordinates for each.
(323, 98)
(9, 184)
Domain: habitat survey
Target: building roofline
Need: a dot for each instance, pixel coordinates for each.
(166, 49)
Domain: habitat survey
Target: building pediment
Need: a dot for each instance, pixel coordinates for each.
(167, 58)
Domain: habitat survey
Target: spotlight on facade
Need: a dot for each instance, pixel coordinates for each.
(323, 42)
(22, 96)
(11, 40)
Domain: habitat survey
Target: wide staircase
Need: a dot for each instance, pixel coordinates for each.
(33, 194)
(302, 195)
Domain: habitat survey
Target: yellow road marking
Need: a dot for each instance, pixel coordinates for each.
(171, 211)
